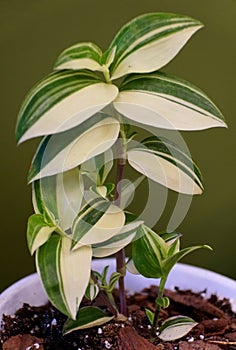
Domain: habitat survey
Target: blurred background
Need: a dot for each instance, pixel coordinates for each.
(34, 32)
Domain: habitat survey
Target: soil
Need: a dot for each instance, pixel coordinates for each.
(41, 327)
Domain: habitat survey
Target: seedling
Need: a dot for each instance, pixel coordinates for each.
(86, 110)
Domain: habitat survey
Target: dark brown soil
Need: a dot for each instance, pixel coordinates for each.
(41, 327)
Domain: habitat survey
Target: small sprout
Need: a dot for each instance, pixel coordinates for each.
(176, 327)
(163, 302)
(150, 315)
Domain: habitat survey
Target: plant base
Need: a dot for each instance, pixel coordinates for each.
(216, 329)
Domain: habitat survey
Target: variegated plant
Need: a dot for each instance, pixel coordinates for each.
(84, 110)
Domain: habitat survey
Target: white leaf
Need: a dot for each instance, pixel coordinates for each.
(75, 268)
(164, 111)
(176, 327)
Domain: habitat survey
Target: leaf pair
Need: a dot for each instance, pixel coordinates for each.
(158, 256)
(76, 92)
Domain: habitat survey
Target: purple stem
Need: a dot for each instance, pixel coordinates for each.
(120, 256)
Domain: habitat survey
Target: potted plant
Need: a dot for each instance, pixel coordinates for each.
(87, 111)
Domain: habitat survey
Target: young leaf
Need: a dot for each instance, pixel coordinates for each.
(64, 273)
(150, 315)
(149, 42)
(163, 302)
(62, 101)
(169, 262)
(92, 290)
(114, 278)
(176, 327)
(88, 316)
(60, 196)
(64, 151)
(167, 102)
(80, 56)
(38, 232)
(98, 221)
(164, 162)
(154, 250)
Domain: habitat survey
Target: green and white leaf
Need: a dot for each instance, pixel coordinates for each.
(98, 221)
(164, 162)
(169, 262)
(131, 267)
(176, 327)
(64, 273)
(167, 102)
(98, 168)
(88, 316)
(114, 278)
(38, 232)
(62, 101)
(92, 290)
(84, 55)
(60, 196)
(150, 315)
(163, 302)
(149, 42)
(154, 251)
(64, 151)
(118, 241)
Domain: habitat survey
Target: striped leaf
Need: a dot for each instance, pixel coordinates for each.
(118, 241)
(61, 101)
(154, 250)
(97, 221)
(88, 316)
(149, 42)
(164, 162)
(170, 261)
(64, 273)
(60, 196)
(38, 232)
(176, 327)
(167, 102)
(64, 151)
(80, 56)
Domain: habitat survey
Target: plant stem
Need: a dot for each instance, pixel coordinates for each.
(158, 307)
(120, 256)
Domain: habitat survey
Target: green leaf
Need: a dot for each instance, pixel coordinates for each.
(84, 55)
(163, 302)
(150, 315)
(64, 273)
(38, 232)
(149, 42)
(176, 327)
(92, 290)
(88, 316)
(166, 163)
(97, 221)
(114, 278)
(118, 241)
(148, 252)
(169, 263)
(64, 151)
(167, 102)
(60, 196)
(62, 101)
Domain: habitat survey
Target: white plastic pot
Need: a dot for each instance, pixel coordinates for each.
(29, 289)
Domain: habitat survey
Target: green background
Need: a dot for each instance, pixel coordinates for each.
(34, 32)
